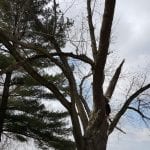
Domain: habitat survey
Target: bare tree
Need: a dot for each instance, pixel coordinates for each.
(94, 123)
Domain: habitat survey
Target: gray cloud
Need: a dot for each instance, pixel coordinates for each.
(133, 38)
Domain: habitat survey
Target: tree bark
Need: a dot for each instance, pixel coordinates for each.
(76, 129)
(4, 101)
(96, 136)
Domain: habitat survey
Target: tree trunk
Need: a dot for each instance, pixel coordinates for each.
(76, 129)
(96, 143)
(4, 101)
(96, 135)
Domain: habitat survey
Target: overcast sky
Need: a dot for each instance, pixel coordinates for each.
(133, 44)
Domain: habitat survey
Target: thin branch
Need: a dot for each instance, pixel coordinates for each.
(81, 94)
(118, 127)
(17, 65)
(130, 88)
(69, 7)
(73, 89)
(80, 57)
(85, 105)
(82, 82)
(55, 16)
(139, 112)
(91, 27)
(125, 106)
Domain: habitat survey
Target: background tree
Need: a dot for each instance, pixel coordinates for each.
(94, 128)
(23, 113)
(22, 107)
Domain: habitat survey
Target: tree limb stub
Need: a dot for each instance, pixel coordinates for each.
(113, 82)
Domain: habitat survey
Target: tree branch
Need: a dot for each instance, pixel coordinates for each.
(73, 88)
(98, 73)
(80, 57)
(113, 82)
(81, 94)
(125, 107)
(19, 64)
(139, 112)
(4, 101)
(118, 127)
(105, 32)
(33, 73)
(64, 66)
(91, 27)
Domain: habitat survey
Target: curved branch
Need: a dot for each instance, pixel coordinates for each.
(81, 94)
(125, 107)
(63, 65)
(81, 57)
(139, 112)
(34, 74)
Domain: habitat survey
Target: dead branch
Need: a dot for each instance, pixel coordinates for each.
(113, 81)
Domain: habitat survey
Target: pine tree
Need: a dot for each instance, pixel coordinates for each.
(26, 115)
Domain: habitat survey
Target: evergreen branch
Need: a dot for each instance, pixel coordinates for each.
(17, 65)
(33, 73)
(4, 101)
(64, 66)
(80, 57)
